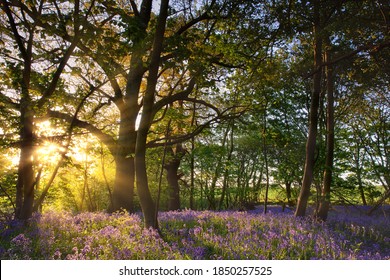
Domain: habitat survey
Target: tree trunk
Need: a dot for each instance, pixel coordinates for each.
(385, 196)
(123, 191)
(323, 210)
(82, 198)
(146, 200)
(26, 168)
(26, 176)
(217, 173)
(288, 193)
(192, 161)
(225, 185)
(25, 183)
(192, 165)
(313, 118)
(172, 166)
(173, 185)
(102, 162)
(361, 189)
(359, 174)
(362, 195)
(145, 197)
(265, 153)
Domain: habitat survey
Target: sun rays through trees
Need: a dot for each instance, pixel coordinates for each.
(151, 106)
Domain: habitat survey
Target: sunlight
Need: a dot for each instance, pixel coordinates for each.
(78, 153)
(11, 159)
(15, 160)
(45, 128)
(48, 148)
(48, 153)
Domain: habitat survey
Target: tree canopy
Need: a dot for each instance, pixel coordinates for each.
(217, 104)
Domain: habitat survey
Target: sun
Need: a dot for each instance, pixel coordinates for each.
(48, 153)
(45, 128)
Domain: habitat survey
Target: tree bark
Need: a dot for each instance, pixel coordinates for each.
(225, 185)
(323, 210)
(172, 167)
(288, 193)
(313, 118)
(192, 165)
(359, 177)
(26, 178)
(123, 191)
(265, 154)
(146, 200)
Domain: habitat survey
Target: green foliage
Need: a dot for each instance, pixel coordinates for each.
(7, 191)
(252, 62)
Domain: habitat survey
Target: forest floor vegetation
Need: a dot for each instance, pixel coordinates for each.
(348, 234)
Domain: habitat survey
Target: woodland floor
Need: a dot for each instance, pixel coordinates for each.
(348, 234)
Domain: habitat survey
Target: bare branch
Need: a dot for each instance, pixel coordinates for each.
(14, 29)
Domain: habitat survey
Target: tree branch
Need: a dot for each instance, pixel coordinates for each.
(8, 101)
(75, 41)
(194, 21)
(145, 12)
(109, 141)
(134, 7)
(370, 48)
(18, 38)
(202, 102)
(184, 137)
(175, 97)
(56, 77)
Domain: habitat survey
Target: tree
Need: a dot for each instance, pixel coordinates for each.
(28, 86)
(313, 115)
(154, 45)
(328, 27)
(322, 212)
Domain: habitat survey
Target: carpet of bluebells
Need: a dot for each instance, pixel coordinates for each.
(198, 235)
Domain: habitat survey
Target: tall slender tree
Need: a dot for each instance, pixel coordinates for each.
(330, 139)
(313, 115)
